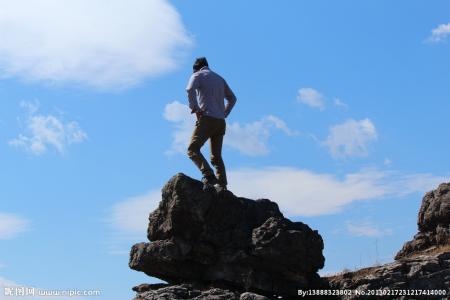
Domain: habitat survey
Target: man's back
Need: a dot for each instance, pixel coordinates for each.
(211, 89)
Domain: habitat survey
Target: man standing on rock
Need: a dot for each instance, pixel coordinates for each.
(211, 90)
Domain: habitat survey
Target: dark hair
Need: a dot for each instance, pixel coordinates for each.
(200, 63)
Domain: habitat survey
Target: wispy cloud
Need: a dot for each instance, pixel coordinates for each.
(99, 43)
(440, 33)
(298, 192)
(12, 225)
(253, 138)
(43, 131)
(366, 229)
(249, 138)
(311, 97)
(338, 102)
(130, 216)
(351, 138)
(128, 220)
(307, 193)
(180, 115)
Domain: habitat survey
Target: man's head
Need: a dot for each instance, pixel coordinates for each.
(199, 63)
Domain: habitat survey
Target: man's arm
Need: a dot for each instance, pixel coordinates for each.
(193, 84)
(231, 99)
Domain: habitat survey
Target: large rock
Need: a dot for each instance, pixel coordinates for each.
(433, 222)
(422, 273)
(228, 241)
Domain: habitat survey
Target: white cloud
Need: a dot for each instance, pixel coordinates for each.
(306, 193)
(366, 229)
(128, 220)
(338, 102)
(351, 138)
(130, 216)
(47, 130)
(298, 193)
(184, 122)
(250, 138)
(311, 97)
(440, 33)
(99, 43)
(11, 225)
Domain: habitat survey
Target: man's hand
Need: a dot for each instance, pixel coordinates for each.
(198, 113)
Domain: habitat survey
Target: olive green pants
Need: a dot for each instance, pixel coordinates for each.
(213, 129)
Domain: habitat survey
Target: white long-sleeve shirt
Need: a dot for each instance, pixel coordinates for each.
(211, 90)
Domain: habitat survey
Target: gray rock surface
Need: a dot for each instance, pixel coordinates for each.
(184, 291)
(433, 222)
(221, 240)
(252, 296)
(421, 272)
(190, 292)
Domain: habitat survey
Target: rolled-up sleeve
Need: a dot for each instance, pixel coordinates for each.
(191, 88)
(231, 99)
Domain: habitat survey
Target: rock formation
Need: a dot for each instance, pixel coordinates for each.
(210, 245)
(433, 222)
(427, 273)
(422, 264)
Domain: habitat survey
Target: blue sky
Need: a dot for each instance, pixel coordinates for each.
(341, 119)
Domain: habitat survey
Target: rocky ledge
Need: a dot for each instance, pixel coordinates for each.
(433, 222)
(427, 272)
(191, 291)
(209, 245)
(422, 264)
